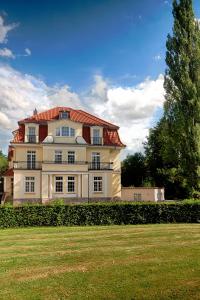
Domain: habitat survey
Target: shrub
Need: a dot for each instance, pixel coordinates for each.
(100, 214)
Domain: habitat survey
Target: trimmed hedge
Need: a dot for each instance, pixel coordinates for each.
(99, 214)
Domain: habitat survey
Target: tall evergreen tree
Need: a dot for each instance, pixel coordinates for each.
(182, 86)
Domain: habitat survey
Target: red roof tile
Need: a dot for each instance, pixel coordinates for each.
(110, 133)
(75, 115)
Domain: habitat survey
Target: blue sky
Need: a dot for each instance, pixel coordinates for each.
(92, 52)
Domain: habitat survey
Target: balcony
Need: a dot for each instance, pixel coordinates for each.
(59, 162)
(31, 139)
(96, 140)
(27, 165)
(100, 166)
(37, 165)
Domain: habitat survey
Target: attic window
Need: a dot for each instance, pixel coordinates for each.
(64, 115)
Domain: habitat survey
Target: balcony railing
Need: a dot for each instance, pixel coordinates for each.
(37, 165)
(31, 139)
(27, 165)
(96, 140)
(100, 166)
(61, 162)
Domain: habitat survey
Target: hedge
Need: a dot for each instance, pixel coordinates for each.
(99, 214)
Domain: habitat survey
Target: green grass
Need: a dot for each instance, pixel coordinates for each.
(108, 262)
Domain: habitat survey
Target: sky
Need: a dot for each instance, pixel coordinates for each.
(104, 56)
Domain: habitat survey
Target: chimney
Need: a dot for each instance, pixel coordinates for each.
(35, 112)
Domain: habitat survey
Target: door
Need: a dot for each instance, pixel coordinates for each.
(31, 160)
(96, 164)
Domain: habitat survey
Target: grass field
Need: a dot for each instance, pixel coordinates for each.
(116, 262)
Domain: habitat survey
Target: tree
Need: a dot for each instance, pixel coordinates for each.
(134, 170)
(161, 164)
(3, 163)
(182, 86)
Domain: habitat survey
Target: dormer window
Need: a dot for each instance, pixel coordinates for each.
(65, 131)
(64, 115)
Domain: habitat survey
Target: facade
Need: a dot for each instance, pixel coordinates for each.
(138, 194)
(64, 153)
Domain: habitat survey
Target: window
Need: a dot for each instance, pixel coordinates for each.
(31, 135)
(31, 130)
(59, 184)
(71, 184)
(97, 184)
(137, 197)
(58, 156)
(71, 157)
(64, 115)
(96, 137)
(29, 184)
(31, 160)
(57, 131)
(65, 131)
(95, 160)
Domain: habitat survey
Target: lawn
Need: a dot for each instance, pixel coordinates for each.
(108, 262)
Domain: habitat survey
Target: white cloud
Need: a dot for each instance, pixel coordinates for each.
(4, 29)
(21, 93)
(157, 57)
(27, 51)
(132, 108)
(7, 53)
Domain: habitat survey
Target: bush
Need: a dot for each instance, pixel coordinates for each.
(99, 214)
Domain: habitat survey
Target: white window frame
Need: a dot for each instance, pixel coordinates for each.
(58, 154)
(64, 115)
(59, 180)
(96, 160)
(70, 184)
(70, 132)
(31, 160)
(71, 154)
(29, 184)
(97, 184)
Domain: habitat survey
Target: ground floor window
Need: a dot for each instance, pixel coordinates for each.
(59, 184)
(98, 184)
(71, 184)
(137, 197)
(29, 184)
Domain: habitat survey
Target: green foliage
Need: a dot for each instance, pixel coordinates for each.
(182, 86)
(134, 170)
(173, 146)
(99, 214)
(3, 163)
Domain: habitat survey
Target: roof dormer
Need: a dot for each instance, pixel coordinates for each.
(64, 114)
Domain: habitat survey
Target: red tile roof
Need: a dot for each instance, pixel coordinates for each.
(75, 115)
(110, 131)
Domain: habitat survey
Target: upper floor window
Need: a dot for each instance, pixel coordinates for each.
(96, 140)
(64, 115)
(65, 131)
(58, 156)
(71, 157)
(31, 135)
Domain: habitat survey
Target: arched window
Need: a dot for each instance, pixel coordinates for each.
(65, 131)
